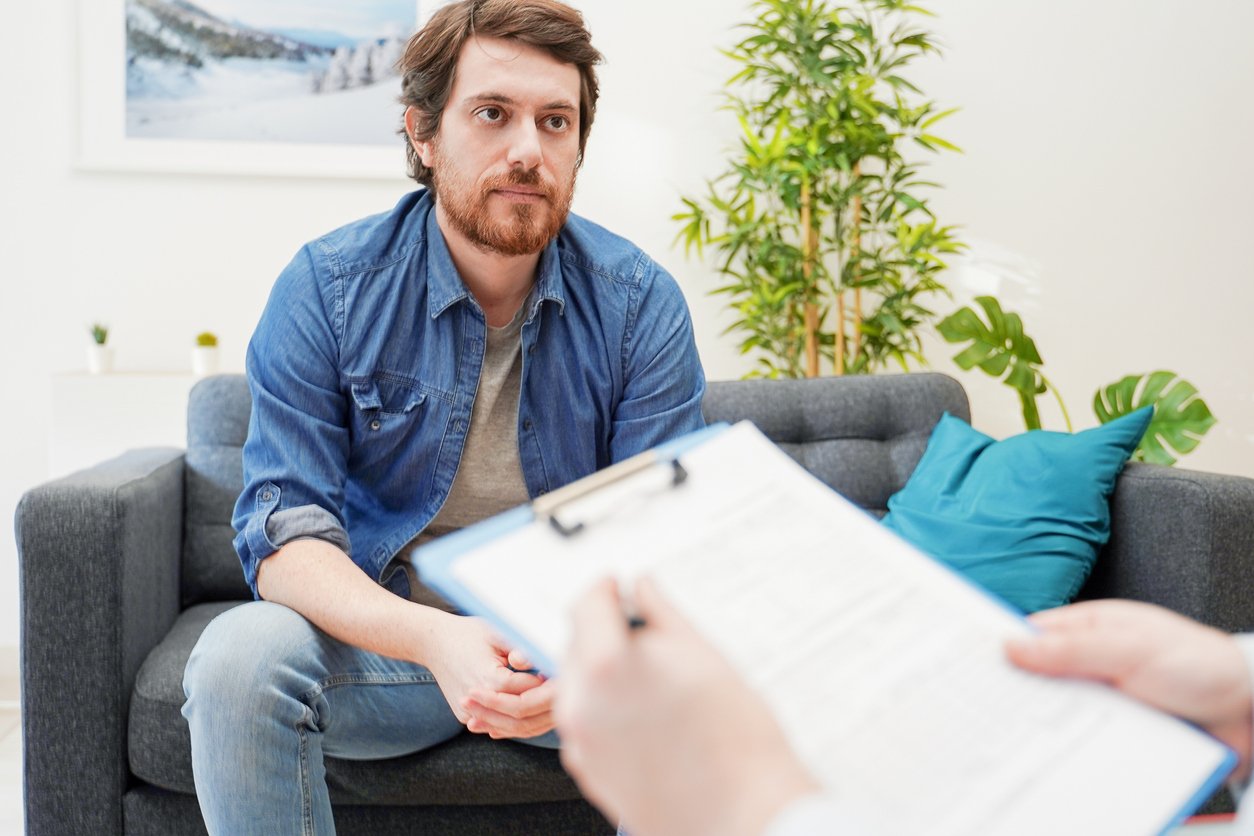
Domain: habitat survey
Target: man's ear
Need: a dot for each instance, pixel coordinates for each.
(423, 147)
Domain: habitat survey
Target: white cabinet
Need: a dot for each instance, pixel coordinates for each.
(98, 416)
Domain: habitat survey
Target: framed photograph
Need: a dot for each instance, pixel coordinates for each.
(260, 87)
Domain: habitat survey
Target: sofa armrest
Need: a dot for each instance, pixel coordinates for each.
(99, 560)
(1183, 539)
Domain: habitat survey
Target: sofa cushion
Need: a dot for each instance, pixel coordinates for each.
(1023, 517)
(469, 769)
(862, 435)
(217, 424)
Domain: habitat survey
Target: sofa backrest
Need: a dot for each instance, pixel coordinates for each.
(217, 424)
(861, 435)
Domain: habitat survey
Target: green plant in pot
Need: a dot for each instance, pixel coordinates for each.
(820, 223)
(99, 352)
(205, 354)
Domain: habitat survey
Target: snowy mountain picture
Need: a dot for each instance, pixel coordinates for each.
(297, 71)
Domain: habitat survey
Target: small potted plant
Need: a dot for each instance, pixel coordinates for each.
(205, 354)
(99, 354)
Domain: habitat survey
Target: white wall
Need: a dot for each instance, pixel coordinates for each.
(1109, 143)
(1105, 150)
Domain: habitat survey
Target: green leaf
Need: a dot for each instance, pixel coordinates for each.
(939, 116)
(929, 139)
(898, 81)
(910, 202)
(1180, 419)
(998, 347)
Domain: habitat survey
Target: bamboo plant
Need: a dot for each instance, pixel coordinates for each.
(821, 226)
(820, 223)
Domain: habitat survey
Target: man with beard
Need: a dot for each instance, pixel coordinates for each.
(413, 373)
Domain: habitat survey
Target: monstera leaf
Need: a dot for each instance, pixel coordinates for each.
(1181, 418)
(999, 347)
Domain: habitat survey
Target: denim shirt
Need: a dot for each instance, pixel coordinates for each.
(364, 367)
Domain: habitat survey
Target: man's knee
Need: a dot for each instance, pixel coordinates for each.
(252, 654)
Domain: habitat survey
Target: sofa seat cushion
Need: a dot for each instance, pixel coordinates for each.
(469, 769)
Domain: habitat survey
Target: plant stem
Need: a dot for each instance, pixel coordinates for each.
(812, 343)
(857, 248)
(1031, 415)
(788, 345)
(1058, 397)
(840, 333)
(807, 272)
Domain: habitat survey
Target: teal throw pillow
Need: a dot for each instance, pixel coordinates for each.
(1024, 517)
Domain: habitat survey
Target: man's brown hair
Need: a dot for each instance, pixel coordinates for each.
(429, 64)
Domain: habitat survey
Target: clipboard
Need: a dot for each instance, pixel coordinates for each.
(435, 560)
(862, 645)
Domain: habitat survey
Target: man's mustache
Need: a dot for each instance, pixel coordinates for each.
(529, 178)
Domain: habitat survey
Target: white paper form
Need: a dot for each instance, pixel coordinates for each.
(886, 671)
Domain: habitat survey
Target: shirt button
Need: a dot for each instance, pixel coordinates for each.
(531, 349)
(266, 496)
(374, 425)
(526, 423)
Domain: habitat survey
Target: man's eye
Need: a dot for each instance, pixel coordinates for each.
(557, 123)
(490, 114)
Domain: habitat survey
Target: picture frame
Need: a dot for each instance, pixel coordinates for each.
(103, 143)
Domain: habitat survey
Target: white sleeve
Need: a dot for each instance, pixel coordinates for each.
(820, 815)
(1245, 641)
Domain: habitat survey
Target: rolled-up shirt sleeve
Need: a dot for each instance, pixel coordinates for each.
(296, 452)
(308, 522)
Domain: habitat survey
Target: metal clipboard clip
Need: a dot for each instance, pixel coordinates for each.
(548, 506)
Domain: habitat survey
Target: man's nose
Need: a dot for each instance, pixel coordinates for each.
(524, 145)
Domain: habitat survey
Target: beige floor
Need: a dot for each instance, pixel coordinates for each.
(10, 772)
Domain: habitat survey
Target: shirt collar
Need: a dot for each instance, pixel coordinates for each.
(549, 283)
(445, 285)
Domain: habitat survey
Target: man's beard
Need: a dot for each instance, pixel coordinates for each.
(529, 226)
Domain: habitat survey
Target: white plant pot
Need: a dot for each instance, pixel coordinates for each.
(204, 360)
(99, 359)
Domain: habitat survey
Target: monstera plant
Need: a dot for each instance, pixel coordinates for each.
(998, 346)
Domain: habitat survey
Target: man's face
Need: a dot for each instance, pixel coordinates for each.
(504, 159)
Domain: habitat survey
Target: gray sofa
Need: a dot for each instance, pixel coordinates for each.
(124, 564)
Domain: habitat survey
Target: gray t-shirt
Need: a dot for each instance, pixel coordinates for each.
(489, 476)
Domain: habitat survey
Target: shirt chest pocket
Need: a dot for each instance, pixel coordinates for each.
(388, 412)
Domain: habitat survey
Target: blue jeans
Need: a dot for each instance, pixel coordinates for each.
(268, 694)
